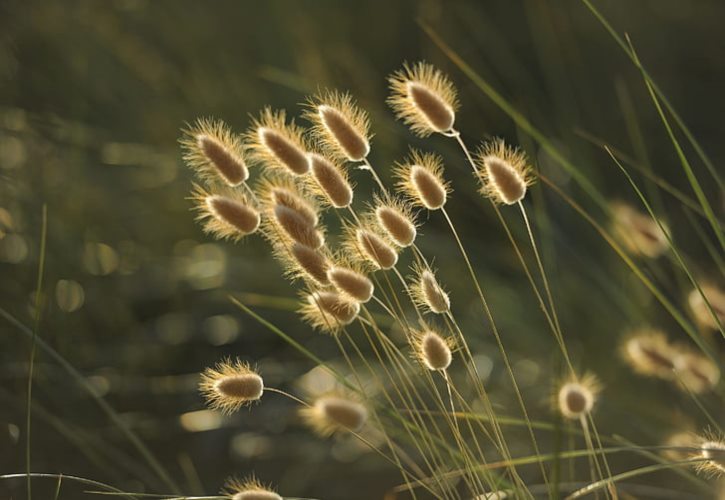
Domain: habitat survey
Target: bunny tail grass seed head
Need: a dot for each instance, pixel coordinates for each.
(226, 214)
(371, 248)
(329, 182)
(504, 172)
(420, 179)
(637, 231)
(230, 385)
(649, 353)
(424, 98)
(296, 227)
(214, 152)
(303, 262)
(397, 220)
(696, 372)
(329, 311)
(428, 293)
(333, 413)
(248, 489)
(576, 398)
(713, 452)
(277, 144)
(433, 351)
(351, 282)
(716, 297)
(341, 128)
(276, 190)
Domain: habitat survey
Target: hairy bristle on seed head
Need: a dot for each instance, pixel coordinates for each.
(649, 353)
(351, 283)
(329, 311)
(227, 214)
(638, 232)
(576, 398)
(333, 413)
(230, 385)
(330, 182)
(504, 172)
(339, 125)
(277, 144)
(375, 249)
(696, 372)
(433, 350)
(248, 489)
(303, 262)
(297, 227)
(424, 98)
(712, 451)
(428, 293)
(420, 179)
(397, 221)
(214, 152)
(716, 297)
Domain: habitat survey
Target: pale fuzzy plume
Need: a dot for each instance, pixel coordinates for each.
(577, 397)
(296, 227)
(335, 413)
(503, 171)
(303, 262)
(427, 292)
(248, 489)
(276, 190)
(424, 98)
(230, 385)
(493, 495)
(329, 182)
(713, 451)
(329, 311)
(649, 353)
(434, 351)
(278, 145)
(696, 372)
(225, 213)
(420, 180)
(215, 153)
(367, 248)
(397, 220)
(351, 282)
(637, 231)
(716, 297)
(340, 126)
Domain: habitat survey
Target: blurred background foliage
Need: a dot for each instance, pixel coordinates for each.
(92, 98)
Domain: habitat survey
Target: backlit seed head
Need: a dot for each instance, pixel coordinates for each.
(296, 227)
(420, 179)
(433, 350)
(226, 214)
(333, 413)
(424, 98)
(713, 451)
(230, 385)
(428, 293)
(303, 262)
(696, 372)
(329, 311)
(340, 127)
(277, 190)
(649, 353)
(214, 152)
(351, 282)
(277, 144)
(329, 182)
(248, 489)
(716, 297)
(397, 220)
(364, 245)
(504, 172)
(637, 231)
(576, 398)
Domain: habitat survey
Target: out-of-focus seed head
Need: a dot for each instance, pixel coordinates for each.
(248, 489)
(638, 232)
(504, 172)
(420, 179)
(695, 372)
(649, 353)
(230, 385)
(329, 182)
(329, 311)
(214, 152)
(225, 213)
(334, 413)
(576, 398)
(716, 297)
(340, 127)
(278, 145)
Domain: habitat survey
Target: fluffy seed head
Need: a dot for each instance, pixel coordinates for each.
(696, 372)
(649, 353)
(281, 190)
(330, 182)
(277, 144)
(248, 489)
(333, 413)
(638, 232)
(351, 283)
(493, 495)
(504, 172)
(434, 351)
(227, 214)
(297, 227)
(329, 311)
(396, 219)
(339, 125)
(230, 385)
(420, 179)
(714, 452)
(577, 397)
(424, 98)
(428, 293)
(303, 262)
(374, 249)
(716, 298)
(214, 153)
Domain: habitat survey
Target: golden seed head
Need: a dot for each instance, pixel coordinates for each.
(214, 153)
(351, 283)
(504, 172)
(277, 144)
(649, 353)
(433, 350)
(329, 311)
(397, 220)
(333, 413)
(330, 182)
(637, 231)
(340, 127)
(302, 262)
(428, 293)
(421, 180)
(695, 372)
(716, 298)
(576, 398)
(226, 214)
(297, 227)
(375, 249)
(714, 452)
(230, 385)
(424, 98)
(248, 489)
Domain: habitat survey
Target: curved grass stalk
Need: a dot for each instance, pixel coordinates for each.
(77, 479)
